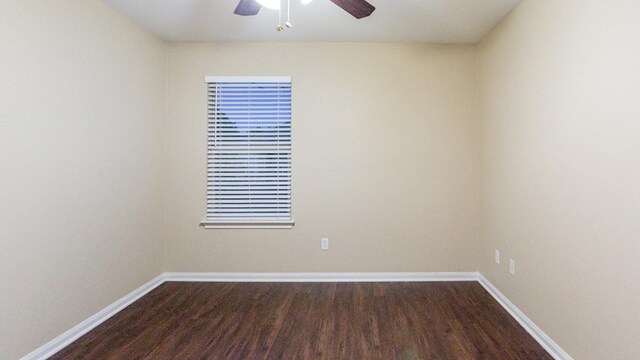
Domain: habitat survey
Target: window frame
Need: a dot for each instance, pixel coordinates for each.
(258, 223)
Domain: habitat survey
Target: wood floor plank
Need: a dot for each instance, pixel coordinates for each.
(407, 321)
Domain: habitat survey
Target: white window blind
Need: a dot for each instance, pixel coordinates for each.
(249, 152)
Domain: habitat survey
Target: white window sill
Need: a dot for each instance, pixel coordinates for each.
(288, 224)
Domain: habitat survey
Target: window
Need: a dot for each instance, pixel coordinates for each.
(249, 152)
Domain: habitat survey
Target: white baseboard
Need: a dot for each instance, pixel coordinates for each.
(321, 277)
(543, 339)
(57, 344)
(84, 327)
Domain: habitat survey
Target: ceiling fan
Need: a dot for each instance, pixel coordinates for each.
(357, 8)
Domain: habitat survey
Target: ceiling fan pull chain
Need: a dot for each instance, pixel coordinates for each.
(280, 27)
(288, 23)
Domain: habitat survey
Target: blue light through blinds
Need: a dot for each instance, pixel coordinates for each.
(249, 151)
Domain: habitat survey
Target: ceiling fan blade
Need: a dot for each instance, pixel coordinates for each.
(357, 8)
(247, 8)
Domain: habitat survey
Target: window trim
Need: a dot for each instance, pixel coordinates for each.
(269, 224)
(267, 79)
(255, 223)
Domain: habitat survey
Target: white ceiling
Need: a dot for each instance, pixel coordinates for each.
(426, 21)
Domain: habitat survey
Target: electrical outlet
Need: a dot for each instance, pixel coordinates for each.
(324, 244)
(512, 266)
(497, 257)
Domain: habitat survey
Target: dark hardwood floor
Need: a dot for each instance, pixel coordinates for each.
(450, 320)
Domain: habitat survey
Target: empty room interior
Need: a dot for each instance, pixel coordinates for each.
(326, 179)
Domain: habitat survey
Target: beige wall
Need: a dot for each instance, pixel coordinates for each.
(384, 159)
(81, 128)
(560, 105)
